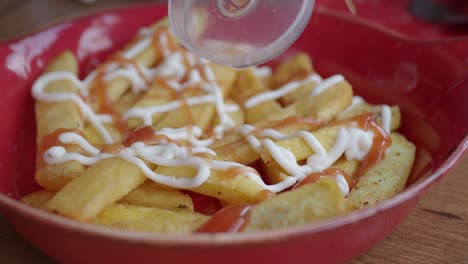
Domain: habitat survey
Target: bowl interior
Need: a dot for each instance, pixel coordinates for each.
(429, 81)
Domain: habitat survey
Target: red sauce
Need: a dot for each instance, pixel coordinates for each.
(146, 135)
(330, 172)
(204, 204)
(231, 219)
(51, 139)
(381, 142)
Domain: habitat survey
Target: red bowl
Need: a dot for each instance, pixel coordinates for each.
(429, 80)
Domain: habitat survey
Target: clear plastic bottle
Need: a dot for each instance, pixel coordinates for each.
(239, 33)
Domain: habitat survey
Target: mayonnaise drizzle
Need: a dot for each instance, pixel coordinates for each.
(39, 94)
(326, 84)
(386, 113)
(280, 92)
(352, 142)
(263, 71)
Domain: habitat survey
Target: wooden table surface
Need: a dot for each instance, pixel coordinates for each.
(436, 232)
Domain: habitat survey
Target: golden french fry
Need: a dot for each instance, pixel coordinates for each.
(240, 152)
(152, 54)
(225, 77)
(274, 172)
(156, 95)
(38, 199)
(249, 84)
(150, 195)
(118, 86)
(98, 187)
(95, 138)
(298, 66)
(348, 166)
(324, 106)
(236, 148)
(261, 110)
(51, 116)
(237, 116)
(233, 187)
(328, 104)
(376, 110)
(385, 179)
(311, 202)
(198, 115)
(301, 150)
(126, 101)
(246, 85)
(147, 219)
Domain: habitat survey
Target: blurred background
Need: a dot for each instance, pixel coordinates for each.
(440, 17)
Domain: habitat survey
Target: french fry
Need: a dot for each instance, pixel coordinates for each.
(38, 199)
(348, 166)
(376, 110)
(51, 116)
(236, 148)
(151, 54)
(298, 66)
(118, 86)
(248, 84)
(311, 202)
(385, 179)
(234, 188)
(200, 115)
(150, 195)
(126, 101)
(156, 95)
(95, 138)
(274, 172)
(225, 77)
(324, 106)
(98, 187)
(237, 116)
(301, 150)
(261, 110)
(145, 219)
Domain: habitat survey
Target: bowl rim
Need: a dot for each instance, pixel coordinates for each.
(260, 237)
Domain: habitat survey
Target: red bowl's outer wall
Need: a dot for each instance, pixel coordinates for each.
(428, 80)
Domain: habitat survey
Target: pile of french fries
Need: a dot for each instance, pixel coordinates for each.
(115, 192)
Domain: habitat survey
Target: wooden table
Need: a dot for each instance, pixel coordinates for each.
(436, 232)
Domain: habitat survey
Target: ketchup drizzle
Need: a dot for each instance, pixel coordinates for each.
(231, 219)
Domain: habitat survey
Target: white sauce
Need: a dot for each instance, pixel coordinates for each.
(262, 72)
(386, 113)
(326, 84)
(352, 142)
(280, 92)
